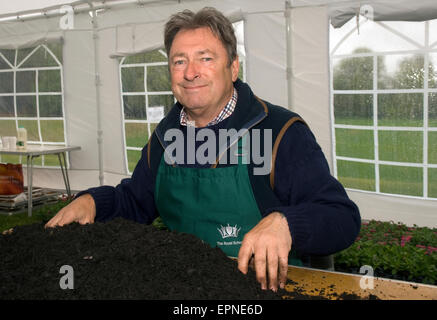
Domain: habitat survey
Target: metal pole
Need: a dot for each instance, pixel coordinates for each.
(289, 72)
(64, 173)
(97, 84)
(29, 185)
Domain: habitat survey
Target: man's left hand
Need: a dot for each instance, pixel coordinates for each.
(269, 242)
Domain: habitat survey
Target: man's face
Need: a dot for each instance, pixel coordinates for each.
(201, 77)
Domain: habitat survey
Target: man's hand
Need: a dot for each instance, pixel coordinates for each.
(270, 243)
(82, 210)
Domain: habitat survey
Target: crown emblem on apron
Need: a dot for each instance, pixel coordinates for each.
(228, 231)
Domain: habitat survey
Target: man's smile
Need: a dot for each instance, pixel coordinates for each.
(194, 87)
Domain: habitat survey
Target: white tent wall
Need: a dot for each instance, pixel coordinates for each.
(26, 34)
(112, 124)
(396, 208)
(266, 56)
(266, 71)
(23, 5)
(310, 76)
(80, 99)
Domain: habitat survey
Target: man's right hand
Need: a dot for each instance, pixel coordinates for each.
(81, 210)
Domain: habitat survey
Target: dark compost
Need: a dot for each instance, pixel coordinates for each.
(119, 259)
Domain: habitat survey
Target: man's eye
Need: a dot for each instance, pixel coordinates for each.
(178, 62)
(206, 58)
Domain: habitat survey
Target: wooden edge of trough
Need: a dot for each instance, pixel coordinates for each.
(331, 284)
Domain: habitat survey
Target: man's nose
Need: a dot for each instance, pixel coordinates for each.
(191, 71)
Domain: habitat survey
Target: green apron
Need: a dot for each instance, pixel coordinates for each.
(215, 204)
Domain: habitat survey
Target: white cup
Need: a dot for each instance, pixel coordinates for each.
(9, 143)
(13, 143)
(5, 142)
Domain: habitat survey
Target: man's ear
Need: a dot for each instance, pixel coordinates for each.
(235, 68)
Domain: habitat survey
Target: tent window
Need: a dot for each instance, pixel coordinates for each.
(146, 98)
(384, 107)
(31, 95)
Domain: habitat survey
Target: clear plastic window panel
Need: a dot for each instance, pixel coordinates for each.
(384, 106)
(31, 95)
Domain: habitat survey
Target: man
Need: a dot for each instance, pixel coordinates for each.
(298, 205)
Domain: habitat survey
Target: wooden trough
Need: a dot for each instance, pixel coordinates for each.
(335, 285)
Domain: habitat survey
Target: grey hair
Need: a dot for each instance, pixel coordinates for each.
(209, 17)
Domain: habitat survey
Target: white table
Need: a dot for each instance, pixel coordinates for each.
(34, 151)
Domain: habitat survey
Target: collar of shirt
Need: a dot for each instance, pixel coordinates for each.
(226, 112)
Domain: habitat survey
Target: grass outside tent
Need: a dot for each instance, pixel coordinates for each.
(396, 146)
(137, 136)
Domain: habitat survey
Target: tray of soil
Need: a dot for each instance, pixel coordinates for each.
(121, 259)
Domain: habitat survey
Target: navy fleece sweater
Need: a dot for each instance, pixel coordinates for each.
(321, 217)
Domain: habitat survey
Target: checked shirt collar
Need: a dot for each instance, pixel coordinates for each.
(226, 112)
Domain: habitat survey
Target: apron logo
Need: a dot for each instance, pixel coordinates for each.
(228, 231)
